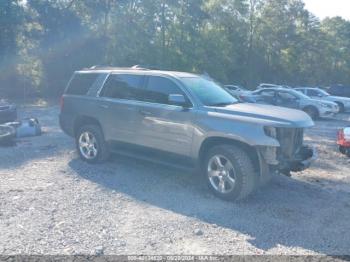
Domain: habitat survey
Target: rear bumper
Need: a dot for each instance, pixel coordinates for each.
(66, 125)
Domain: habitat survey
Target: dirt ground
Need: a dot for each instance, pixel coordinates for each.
(53, 203)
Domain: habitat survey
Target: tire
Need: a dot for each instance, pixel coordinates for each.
(240, 181)
(342, 150)
(312, 112)
(347, 152)
(95, 149)
(341, 107)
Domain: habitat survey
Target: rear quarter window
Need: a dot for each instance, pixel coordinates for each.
(81, 83)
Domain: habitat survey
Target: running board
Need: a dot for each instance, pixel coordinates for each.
(155, 160)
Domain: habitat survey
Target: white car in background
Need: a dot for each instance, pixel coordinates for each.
(264, 85)
(317, 93)
(286, 97)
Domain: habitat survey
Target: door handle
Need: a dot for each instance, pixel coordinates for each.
(145, 113)
(104, 106)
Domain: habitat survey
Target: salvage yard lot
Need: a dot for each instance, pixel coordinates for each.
(53, 203)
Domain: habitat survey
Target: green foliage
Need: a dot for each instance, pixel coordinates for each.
(235, 41)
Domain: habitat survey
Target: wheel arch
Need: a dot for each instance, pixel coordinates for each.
(215, 141)
(341, 106)
(312, 107)
(85, 120)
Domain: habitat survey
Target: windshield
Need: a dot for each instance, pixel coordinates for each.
(209, 92)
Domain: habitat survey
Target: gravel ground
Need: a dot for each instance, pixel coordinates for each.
(53, 203)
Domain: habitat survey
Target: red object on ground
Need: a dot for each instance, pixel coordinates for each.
(342, 141)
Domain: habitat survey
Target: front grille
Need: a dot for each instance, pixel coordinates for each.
(291, 140)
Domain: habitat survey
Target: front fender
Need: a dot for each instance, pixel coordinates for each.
(248, 133)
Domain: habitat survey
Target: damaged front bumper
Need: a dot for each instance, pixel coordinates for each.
(300, 161)
(303, 160)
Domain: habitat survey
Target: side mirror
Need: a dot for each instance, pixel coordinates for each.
(177, 100)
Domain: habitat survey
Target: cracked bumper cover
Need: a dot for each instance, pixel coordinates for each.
(304, 159)
(300, 161)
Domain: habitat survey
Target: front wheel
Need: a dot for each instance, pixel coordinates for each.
(341, 107)
(312, 112)
(230, 172)
(91, 145)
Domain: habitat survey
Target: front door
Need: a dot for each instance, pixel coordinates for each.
(164, 126)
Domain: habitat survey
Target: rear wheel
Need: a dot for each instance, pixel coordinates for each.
(312, 112)
(229, 172)
(91, 145)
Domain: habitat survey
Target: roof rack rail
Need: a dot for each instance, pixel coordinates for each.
(135, 67)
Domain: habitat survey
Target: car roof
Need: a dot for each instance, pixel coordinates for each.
(278, 88)
(307, 88)
(136, 70)
(265, 84)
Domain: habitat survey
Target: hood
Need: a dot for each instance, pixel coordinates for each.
(346, 99)
(265, 115)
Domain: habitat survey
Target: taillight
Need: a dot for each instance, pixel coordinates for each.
(62, 103)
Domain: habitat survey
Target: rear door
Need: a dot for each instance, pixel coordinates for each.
(266, 97)
(165, 126)
(120, 104)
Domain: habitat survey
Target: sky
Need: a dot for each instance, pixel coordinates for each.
(324, 8)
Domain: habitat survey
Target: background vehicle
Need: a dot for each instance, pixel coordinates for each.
(339, 90)
(293, 99)
(236, 90)
(182, 119)
(8, 112)
(263, 85)
(317, 93)
(343, 141)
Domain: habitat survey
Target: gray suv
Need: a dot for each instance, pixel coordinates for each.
(183, 120)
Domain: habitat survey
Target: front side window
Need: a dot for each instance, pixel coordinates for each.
(122, 86)
(208, 92)
(159, 88)
(81, 83)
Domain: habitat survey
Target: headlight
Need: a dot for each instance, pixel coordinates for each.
(326, 105)
(270, 131)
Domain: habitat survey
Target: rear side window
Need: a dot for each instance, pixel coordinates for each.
(81, 83)
(159, 88)
(123, 87)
